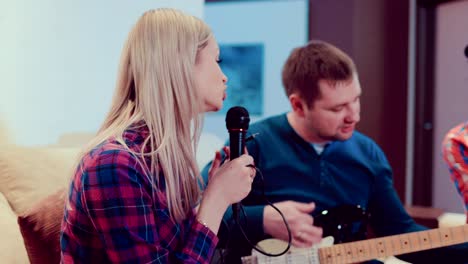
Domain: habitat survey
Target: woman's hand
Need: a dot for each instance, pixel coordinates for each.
(228, 183)
(231, 180)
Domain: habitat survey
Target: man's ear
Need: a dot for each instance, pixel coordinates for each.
(297, 104)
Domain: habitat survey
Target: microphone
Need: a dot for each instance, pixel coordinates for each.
(237, 123)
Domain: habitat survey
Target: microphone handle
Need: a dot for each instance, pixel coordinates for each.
(236, 146)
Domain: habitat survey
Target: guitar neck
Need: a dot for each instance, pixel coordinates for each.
(364, 250)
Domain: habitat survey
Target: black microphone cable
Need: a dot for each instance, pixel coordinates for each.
(222, 254)
(241, 208)
(237, 124)
(274, 207)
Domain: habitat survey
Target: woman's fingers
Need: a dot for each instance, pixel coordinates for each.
(215, 164)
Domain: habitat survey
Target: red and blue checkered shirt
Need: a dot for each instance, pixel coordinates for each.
(113, 218)
(455, 152)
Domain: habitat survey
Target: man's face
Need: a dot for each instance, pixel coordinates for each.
(335, 114)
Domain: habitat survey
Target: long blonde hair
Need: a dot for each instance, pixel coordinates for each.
(155, 85)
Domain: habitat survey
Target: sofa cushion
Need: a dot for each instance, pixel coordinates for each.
(452, 219)
(28, 174)
(11, 243)
(40, 227)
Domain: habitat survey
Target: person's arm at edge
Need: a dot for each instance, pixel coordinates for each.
(454, 155)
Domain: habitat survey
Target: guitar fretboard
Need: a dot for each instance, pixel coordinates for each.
(393, 245)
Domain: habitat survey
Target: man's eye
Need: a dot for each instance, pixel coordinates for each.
(219, 60)
(337, 109)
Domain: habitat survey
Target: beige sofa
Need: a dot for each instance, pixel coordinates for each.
(28, 175)
(33, 181)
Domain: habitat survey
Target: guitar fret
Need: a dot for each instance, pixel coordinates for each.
(334, 252)
(339, 252)
(361, 249)
(398, 242)
(446, 237)
(372, 249)
(405, 243)
(381, 247)
(377, 248)
(351, 252)
(414, 240)
(435, 238)
(354, 253)
(424, 240)
(367, 248)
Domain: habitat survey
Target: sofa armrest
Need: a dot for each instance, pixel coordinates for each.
(426, 216)
(12, 248)
(435, 217)
(452, 219)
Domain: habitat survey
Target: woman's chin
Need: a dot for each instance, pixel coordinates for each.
(213, 108)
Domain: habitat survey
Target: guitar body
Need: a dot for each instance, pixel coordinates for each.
(344, 223)
(294, 255)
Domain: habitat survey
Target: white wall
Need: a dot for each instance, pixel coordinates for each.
(451, 93)
(280, 25)
(59, 60)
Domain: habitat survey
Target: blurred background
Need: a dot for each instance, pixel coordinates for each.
(59, 58)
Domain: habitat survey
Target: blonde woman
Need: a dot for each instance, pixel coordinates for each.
(135, 190)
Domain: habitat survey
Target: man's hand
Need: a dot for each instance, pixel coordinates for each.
(304, 233)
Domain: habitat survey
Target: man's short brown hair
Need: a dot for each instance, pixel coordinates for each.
(317, 60)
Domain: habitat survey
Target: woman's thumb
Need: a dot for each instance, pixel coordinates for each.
(215, 164)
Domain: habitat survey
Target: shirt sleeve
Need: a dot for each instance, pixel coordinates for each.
(388, 215)
(455, 153)
(120, 203)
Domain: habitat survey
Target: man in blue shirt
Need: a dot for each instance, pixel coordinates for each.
(312, 160)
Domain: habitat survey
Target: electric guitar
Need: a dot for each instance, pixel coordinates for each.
(359, 251)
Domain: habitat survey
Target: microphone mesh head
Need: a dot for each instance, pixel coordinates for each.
(237, 117)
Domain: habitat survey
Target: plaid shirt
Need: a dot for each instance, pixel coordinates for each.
(113, 217)
(455, 152)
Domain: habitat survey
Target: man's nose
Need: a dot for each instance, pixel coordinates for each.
(353, 116)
